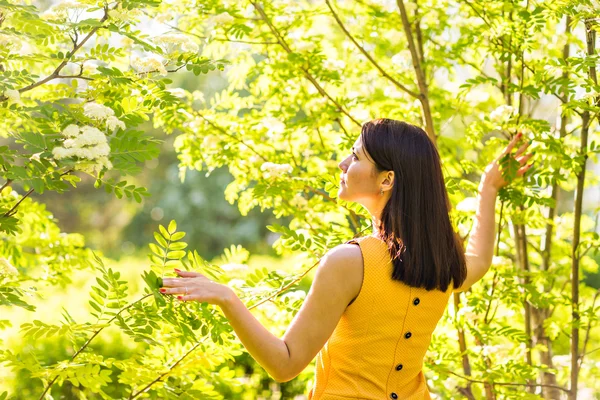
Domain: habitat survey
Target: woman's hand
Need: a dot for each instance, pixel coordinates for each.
(492, 176)
(195, 286)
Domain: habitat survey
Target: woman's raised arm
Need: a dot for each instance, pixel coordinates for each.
(480, 249)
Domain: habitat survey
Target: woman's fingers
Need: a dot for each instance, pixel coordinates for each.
(522, 148)
(524, 169)
(173, 290)
(188, 274)
(523, 159)
(189, 297)
(174, 282)
(511, 145)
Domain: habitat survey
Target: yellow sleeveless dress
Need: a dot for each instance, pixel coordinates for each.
(377, 348)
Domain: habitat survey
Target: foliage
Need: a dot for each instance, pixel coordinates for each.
(303, 76)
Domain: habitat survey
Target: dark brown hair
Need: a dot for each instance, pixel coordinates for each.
(415, 222)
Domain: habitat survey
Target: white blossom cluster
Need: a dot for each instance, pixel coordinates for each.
(8, 42)
(148, 64)
(502, 113)
(13, 96)
(272, 170)
(119, 14)
(6, 268)
(60, 11)
(174, 43)
(234, 267)
(101, 112)
(299, 201)
(88, 144)
(272, 124)
(223, 18)
(97, 111)
(468, 204)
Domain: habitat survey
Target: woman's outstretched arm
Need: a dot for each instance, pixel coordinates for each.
(337, 281)
(480, 249)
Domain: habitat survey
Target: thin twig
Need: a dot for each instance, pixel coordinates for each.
(305, 70)
(504, 383)
(49, 385)
(223, 131)
(418, 67)
(368, 56)
(56, 72)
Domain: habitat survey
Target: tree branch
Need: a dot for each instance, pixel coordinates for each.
(504, 383)
(590, 35)
(56, 72)
(423, 95)
(49, 385)
(368, 56)
(307, 74)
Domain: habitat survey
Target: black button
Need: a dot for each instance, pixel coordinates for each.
(394, 395)
(416, 301)
(398, 367)
(407, 335)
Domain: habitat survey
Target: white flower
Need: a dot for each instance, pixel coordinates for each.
(13, 96)
(8, 42)
(120, 14)
(502, 113)
(95, 110)
(60, 152)
(299, 201)
(101, 150)
(68, 5)
(307, 46)
(236, 283)
(113, 122)
(61, 11)
(234, 267)
(333, 63)
(178, 92)
(294, 296)
(223, 18)
(176, 43)
(164, 17)
(88, 144)
(210, 141)
(51, 15)
(477, 96)
(403, 59)
(89, 136)
(272, 170)
(149, 64)
(90, 69)
(126, 42)
(467, 205)
(468, 313)
(95, 167)
(6, 268)
(71, 131)
(273, 125)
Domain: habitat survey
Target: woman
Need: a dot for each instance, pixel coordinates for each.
(376, 300)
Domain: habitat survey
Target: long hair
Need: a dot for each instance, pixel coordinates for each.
(415, 222)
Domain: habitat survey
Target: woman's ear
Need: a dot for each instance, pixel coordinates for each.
(388, 180)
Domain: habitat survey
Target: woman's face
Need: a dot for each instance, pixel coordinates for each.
(358, 181)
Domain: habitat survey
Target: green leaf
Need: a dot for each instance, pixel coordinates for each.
(176, 254)
(177, 236)
(172, 227)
